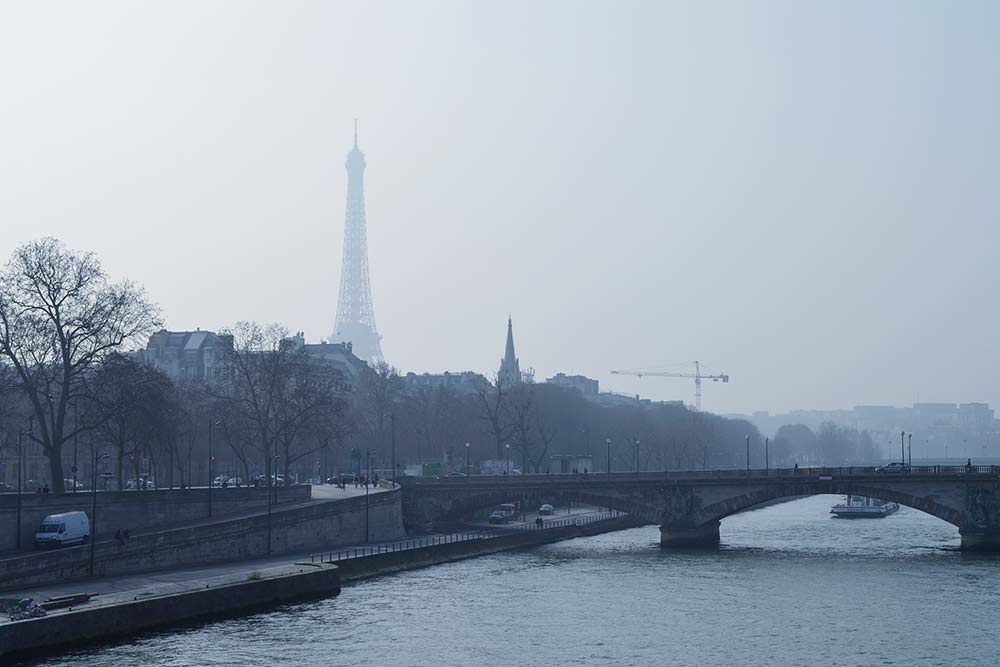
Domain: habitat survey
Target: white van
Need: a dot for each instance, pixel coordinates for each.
(63, 530)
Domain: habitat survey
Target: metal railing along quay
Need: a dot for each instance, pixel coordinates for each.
(453, 538)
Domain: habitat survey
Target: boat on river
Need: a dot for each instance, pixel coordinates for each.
(863, 507)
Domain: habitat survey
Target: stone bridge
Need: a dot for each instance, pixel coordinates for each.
(688, 505)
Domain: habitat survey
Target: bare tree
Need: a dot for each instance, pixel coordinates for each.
(280, 397)
(59, 318)
(258, 380)
(546, 433)
(522, 417)
(131, 405)
(494, 410)
(376, 399)
(311, 414)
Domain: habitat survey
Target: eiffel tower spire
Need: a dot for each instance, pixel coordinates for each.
(355, 314)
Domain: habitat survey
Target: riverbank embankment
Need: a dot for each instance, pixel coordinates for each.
(244, 588)
(136, 611)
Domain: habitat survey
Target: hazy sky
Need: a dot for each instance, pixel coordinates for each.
(801, 194)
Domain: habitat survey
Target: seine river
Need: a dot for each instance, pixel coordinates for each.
(790, 586)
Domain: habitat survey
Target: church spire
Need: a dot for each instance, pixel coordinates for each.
(510, 369)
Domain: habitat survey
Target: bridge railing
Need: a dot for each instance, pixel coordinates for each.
(722, 474)
(454, 538)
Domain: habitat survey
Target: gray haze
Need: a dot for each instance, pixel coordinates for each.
(800, 194)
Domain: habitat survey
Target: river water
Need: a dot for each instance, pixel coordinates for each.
(789, 586)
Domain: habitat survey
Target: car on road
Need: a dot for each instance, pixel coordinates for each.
(6, 488)
(509, 510)
(894, 467)
(80, 486)
(546, 509)
(498, 517)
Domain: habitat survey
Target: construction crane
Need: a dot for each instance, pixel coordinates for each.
(697, 376)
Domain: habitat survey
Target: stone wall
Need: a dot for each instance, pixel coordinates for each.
(135, 510)
(102, 622)
(314, 526)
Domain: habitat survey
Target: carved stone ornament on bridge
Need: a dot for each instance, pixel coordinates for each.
(679, 504)
(982, 508)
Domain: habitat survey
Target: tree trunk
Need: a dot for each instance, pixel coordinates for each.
(56, 469)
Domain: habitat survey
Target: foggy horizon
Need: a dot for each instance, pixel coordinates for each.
(800, 198)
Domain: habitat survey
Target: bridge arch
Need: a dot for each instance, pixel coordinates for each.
(741, 503)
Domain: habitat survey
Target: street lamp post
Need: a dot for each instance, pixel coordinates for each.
(20, 464)
(637, 456)
(76, 432)
(468, 460)
(368, 480)
(909, 448)
(608, 443)
(748, 454)
(267, 487)
(93, 509)
(902, 447)
(393, 416)
(211, 459)
(507, 465)
(766, 462)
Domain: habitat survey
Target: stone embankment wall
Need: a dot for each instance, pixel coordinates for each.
(366, 567)
(315, 525)
(102, 622)
(135, 510)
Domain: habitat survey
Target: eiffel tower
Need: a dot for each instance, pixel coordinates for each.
(355, 315)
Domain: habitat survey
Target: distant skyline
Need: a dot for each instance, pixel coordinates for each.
(801, 195)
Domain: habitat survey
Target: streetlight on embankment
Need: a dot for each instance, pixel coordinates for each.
(93, 509)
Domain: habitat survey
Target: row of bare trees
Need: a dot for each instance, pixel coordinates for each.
(64, 327)
(536, 421)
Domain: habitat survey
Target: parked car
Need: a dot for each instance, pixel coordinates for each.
(236, 481)
(509, 510)
(895, 466)
(61, 530)
(6, 488)
(498, 517)
(34, 486)
(69, 485)
(546, 509)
